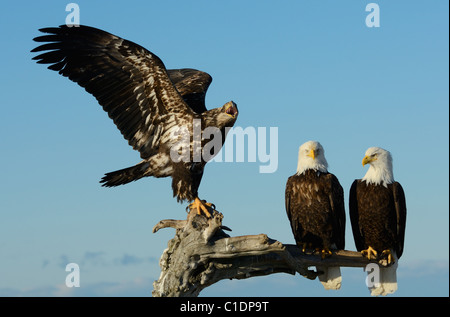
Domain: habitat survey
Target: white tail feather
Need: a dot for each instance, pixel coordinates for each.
(387, 282)
(331, 278)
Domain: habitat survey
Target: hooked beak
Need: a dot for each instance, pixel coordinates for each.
(312, 154)
(367, 160)
(231, 109)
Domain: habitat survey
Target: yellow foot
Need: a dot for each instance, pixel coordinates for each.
(370, 251)
(324, 253)
(201, 206)
(388, 254)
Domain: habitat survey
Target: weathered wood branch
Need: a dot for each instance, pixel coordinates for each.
(201, 254)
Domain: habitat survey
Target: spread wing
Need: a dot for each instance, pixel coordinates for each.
(130, 82)
(400, 208)
(338, 209)
(192, 85)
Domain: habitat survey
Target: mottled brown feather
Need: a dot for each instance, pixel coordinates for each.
(378, 216)
(315, 208)
(147, 103)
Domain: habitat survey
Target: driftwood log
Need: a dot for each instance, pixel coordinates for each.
(201, 254)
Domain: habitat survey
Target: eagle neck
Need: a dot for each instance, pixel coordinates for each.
(309, 165)
(317, 171)
(379, 176)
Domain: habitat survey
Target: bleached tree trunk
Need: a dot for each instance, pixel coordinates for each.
(201, 254)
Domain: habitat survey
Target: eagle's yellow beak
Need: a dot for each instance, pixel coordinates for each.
(231, 109)
(368, 159)
(312, 154)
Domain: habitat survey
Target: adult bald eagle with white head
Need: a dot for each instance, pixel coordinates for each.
(315, 208)
(378, 216)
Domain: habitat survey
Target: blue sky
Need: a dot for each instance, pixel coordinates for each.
(312, 69)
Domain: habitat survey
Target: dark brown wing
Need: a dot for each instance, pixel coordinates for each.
(400, 207)
(354, 216)
(338, 209)
(130, 82)
(192, 85)
(290, 193)
(287, 197)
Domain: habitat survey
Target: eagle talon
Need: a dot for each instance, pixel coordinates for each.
(324, 253)
(211, 205)
(370, 251)
(202, 207)
(388, 254)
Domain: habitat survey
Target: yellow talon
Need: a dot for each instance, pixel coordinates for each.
(324, 253)
(390, 257)
(370, 251)
(201, 206)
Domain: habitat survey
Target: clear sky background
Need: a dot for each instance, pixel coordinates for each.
(313, 69)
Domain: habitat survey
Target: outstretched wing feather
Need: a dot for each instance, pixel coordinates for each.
(130, 82)
(192, 84)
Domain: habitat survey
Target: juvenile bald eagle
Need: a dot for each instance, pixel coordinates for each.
(378, 216)
(315, 208)
(154, 108)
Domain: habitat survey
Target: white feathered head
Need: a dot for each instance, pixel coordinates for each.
(311, 155)
(380, 170)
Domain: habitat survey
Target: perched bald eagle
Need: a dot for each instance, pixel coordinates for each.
(378, 216)
(155, 109)
(315, 208)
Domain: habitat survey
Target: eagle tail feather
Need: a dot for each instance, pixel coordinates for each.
(331, 278)
(126, 175)
(388, 282)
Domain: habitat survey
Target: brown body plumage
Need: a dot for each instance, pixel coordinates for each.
(150, 105)
(315, 208)
(378, 216)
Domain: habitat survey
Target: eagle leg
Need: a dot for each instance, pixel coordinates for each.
(201, 206)
(305, 245)
(390, 257)
(370, 251)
